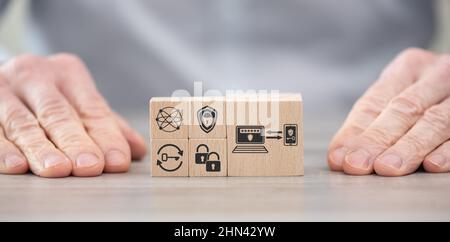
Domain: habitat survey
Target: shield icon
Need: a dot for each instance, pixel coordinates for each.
(207, 117)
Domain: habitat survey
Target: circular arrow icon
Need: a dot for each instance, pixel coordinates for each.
(166, 154)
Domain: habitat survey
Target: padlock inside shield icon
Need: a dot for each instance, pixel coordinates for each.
(207, 117)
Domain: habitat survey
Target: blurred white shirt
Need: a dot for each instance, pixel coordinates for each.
(328, 50)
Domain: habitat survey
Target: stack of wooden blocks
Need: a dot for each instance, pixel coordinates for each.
(237, 135)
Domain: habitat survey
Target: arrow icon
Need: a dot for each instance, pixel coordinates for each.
(274, 132)
(159, 163)
(274, 137)
(180, 152)
(166, 157)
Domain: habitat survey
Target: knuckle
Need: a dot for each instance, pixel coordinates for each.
(107, 135)
(370, 105)
(378, 137)
(21, 126)
(23, 129)
(52, 111)
(58, 124)
(412, 53)
(24, 63)
(354, 128)
(68, 58)
(100, 132)
(61, 124)
(406, 62)
(68, 61)
(444, 59)
(406, 108)
(96, 108)
(27, 69)
(442, 71)
(416, 144)
(18, 121)
(437, 119)
(67, 139)
(106, 131)
(27, 60)
(6, 95)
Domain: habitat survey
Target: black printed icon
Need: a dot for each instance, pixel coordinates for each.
(250, 139)
(207, 118)
(169, 119)
(169, 157)
(204, 157)
(213, 165)
(201, 157)
(290, 134)
(274, 134)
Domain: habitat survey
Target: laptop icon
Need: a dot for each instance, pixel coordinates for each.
(250, 139)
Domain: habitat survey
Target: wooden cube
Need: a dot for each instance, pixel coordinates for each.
(207, 118)
(264, 135)
(169, 117)
(169, 157)
(208, 157)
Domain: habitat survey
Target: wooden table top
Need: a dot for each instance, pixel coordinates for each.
(319, 195)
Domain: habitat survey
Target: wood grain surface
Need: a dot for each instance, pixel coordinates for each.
(319, 195)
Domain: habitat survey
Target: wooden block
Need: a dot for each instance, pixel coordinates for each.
(265, 135)
(169, 157)
(169, 118)
(207, 157)
(207, 118)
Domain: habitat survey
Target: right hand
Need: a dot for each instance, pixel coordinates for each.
(54, 122)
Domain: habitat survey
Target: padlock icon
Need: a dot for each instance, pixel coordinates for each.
(213, 165)
(201, 158)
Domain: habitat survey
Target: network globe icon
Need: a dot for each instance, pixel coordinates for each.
(169, 119)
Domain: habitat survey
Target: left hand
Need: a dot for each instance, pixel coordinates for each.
(401, 122)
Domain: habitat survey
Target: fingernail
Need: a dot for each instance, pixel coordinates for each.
(358, 159)
(392, 160)
(87, 160)
(438, 160)
(12, 161)
(54, 160)
(337, 156)
(115, 158)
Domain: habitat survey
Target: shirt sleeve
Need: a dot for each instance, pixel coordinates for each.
(4, 54)
(3, 4)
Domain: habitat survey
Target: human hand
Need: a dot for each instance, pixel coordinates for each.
(401, 122)
(54, 122)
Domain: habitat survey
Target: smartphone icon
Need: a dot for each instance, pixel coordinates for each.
(290, 134)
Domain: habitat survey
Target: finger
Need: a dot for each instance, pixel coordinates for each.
(12, 161)
(64, 128)
(405, 156)
(76, 84)
(135, 140)
(398, 75)
(59, 120)
(397, 118)
(22, 128)
(438, 160)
